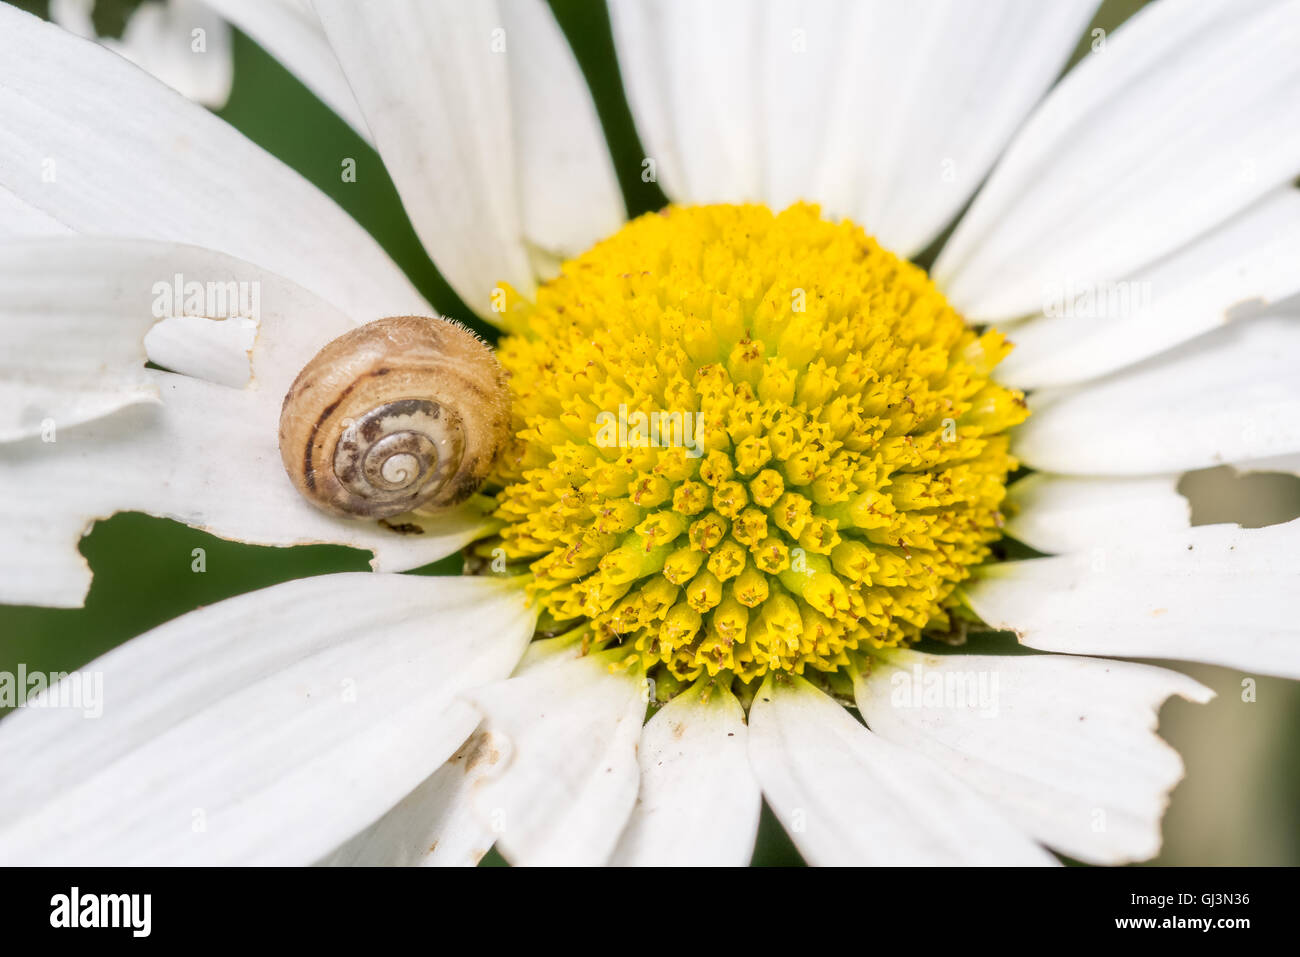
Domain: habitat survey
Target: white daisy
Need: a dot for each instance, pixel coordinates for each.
(386, 718)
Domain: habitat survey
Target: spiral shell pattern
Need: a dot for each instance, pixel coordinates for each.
(400, 414)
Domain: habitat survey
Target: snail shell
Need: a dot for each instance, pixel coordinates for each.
(397, 414)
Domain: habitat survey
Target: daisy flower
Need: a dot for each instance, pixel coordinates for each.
(753, 454)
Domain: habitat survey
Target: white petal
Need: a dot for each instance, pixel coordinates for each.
(1065, 746)
(472, 107)
(1238, 269)
(433, 826)
(264, 729)
(1229, 396)
(213, 350)
(1216, 593)
(887, 113)
(20, 218)
(568, 192)
(1065, 513)
(77, 316)
(932, 93)
(550, 651)
(1190, 113)
(699, 802)
(849, 797)
(94, 143)
(292, 33)
(690, 71)
(644, 64)
(800, 47)
(61, 363)
(208, 455)
(74, 16)
(1276, 463)
(80, 312)
(160, 37)
(567, 778)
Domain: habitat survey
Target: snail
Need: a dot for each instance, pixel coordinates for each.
(401, 413)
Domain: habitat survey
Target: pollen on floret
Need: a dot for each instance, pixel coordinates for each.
(809, 454)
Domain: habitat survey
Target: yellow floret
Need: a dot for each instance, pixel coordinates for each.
(807, 451)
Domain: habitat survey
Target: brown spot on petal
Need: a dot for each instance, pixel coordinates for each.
(483, 753)
(402, 528)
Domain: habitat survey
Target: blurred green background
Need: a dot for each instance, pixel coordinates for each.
(1240, 802)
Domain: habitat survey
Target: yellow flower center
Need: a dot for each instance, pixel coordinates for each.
(747, 442)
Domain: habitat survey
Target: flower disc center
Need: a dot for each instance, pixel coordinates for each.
(748, 441)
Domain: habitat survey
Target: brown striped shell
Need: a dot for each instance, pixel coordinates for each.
(398, 414)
